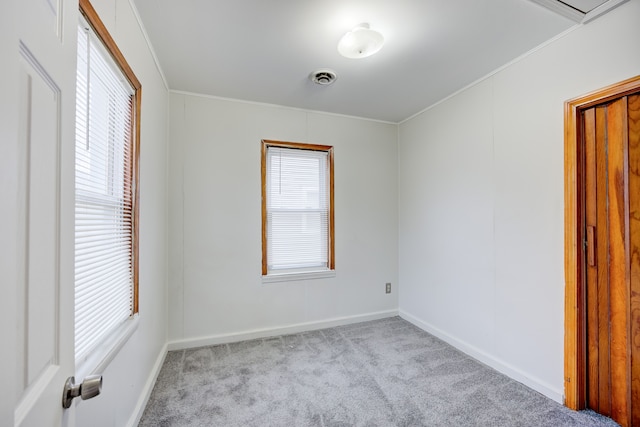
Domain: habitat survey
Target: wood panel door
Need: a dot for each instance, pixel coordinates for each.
(611, 214)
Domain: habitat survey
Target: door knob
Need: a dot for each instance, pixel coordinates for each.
(90, 387)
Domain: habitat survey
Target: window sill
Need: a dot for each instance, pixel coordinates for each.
(99, 359)
(307, 275)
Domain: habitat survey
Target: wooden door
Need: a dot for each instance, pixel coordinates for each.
(611, 156)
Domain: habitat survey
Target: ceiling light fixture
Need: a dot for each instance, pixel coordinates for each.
(360, 42)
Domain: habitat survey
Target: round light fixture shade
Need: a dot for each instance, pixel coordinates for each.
(360, 42)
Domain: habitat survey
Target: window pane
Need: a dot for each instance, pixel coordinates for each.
(103, 213)
(298, 239)
(297, 209)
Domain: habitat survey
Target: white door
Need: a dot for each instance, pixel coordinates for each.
(38, 164)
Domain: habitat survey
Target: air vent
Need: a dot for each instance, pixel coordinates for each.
(323, 77)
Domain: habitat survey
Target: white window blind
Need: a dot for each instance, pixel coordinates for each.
(103, 207)
(297, 188)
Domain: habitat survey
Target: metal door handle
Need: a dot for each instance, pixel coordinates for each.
(90, 387)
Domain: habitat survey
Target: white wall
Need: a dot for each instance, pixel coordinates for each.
(127, 377)
(215, 288)
(481, 202)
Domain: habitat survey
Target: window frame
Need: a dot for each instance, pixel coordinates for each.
(265, 144)
(104, 353)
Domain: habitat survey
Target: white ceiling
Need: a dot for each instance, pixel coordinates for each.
(264, 50)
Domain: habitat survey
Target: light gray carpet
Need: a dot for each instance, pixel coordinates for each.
(380, 373)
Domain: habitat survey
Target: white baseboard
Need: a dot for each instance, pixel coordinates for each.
(497, 364)
(281, 330)
(148, 388)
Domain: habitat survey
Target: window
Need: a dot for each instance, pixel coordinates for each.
(297, 209)
(106, 166)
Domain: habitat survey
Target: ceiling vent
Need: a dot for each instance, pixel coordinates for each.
(581, 11)
(323, 77)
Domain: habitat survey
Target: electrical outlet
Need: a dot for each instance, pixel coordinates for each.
(388, 288)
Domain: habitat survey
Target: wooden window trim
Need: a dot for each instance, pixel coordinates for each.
(90, 14)
(575, 323)
(263, 171)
